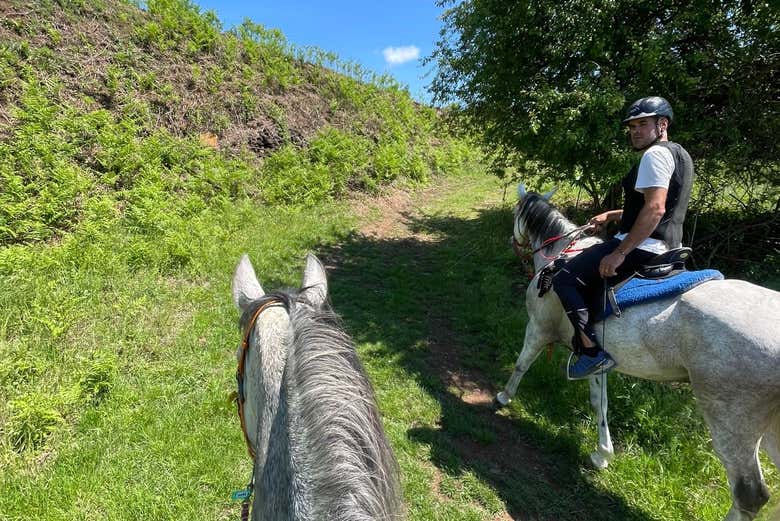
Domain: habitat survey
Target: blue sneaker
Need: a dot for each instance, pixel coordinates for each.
(586, 366)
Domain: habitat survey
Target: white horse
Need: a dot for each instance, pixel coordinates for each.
(721, 336)
(309, 412)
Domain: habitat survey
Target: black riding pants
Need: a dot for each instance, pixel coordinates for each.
(579, 282)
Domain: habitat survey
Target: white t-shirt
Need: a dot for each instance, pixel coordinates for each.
(655, 171)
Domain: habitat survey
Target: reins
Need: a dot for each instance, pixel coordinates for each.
(551, 240)
(577, 232)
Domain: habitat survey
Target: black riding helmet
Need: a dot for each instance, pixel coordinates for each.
(648, 107)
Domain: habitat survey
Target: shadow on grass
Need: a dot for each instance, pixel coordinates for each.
(445, 309)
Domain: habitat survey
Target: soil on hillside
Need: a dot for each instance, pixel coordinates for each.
(98, 55)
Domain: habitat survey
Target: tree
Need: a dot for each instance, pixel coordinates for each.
(547, 81)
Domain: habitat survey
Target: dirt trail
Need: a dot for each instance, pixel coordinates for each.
(396, 210)
(388, 217)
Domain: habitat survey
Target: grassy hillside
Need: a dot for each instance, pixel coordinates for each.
(103, 104)
(133, 141)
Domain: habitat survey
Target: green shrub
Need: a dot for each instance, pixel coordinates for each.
(31, 421)
(453, 154)
(97, 379)
(345, 156)
(179, 24)
(416, 166)
(41, 188)
(389, 159)
(14, 373)
(268, 49)
(288, 177)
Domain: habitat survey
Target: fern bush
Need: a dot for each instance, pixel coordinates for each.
(268, 50)
(179, 24)
(346, 157)
(289, 177)
(389, 159)
(31, 421)
(97, 379)
(41, 187)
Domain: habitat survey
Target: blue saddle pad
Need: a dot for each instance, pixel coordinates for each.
(639, 290)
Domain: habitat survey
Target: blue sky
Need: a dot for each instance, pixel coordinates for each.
(385, 37)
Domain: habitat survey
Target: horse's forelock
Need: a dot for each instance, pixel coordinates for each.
(540, 218)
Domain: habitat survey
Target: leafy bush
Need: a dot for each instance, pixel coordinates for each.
(41, 188)
(179, 24)
(97, 379)
(14, 373)
(31, 421)
(345, 156)
(268, 49)
(288, 177)
(389, 159)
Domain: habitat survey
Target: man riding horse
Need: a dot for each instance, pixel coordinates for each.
(656, 194)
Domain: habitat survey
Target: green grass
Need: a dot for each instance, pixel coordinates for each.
(120, 374)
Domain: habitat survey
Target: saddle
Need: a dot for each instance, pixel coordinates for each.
(662, 266)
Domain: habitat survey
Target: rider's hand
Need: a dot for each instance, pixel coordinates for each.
(609, 264)
(598, 221)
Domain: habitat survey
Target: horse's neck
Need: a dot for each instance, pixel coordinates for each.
(264, 370)
(281, 488)
(331, 455)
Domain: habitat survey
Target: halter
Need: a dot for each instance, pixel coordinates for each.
(240, 371)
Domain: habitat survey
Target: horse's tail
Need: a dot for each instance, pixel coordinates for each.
(771, 440)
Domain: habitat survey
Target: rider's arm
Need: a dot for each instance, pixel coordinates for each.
(649, 217)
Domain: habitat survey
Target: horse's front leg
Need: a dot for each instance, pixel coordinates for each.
(598, 399)
(534, 343)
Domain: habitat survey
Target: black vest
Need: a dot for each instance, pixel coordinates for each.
(670, 229)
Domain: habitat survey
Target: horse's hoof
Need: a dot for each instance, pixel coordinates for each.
(599, 461)
(500, 401)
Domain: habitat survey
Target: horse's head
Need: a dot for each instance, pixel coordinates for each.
(268, 314)
(267, 335)
(521, 233)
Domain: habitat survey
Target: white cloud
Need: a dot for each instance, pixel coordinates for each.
(399, 55)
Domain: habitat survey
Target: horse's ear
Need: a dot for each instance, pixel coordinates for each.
(315, 283)
(521, 193)
(246, 287)
(549, 194)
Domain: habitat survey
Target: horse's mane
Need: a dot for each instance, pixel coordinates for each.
(336, 435)
(541, 218)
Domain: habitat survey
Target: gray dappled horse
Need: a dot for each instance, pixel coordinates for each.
(722, 336)
(310, 412)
